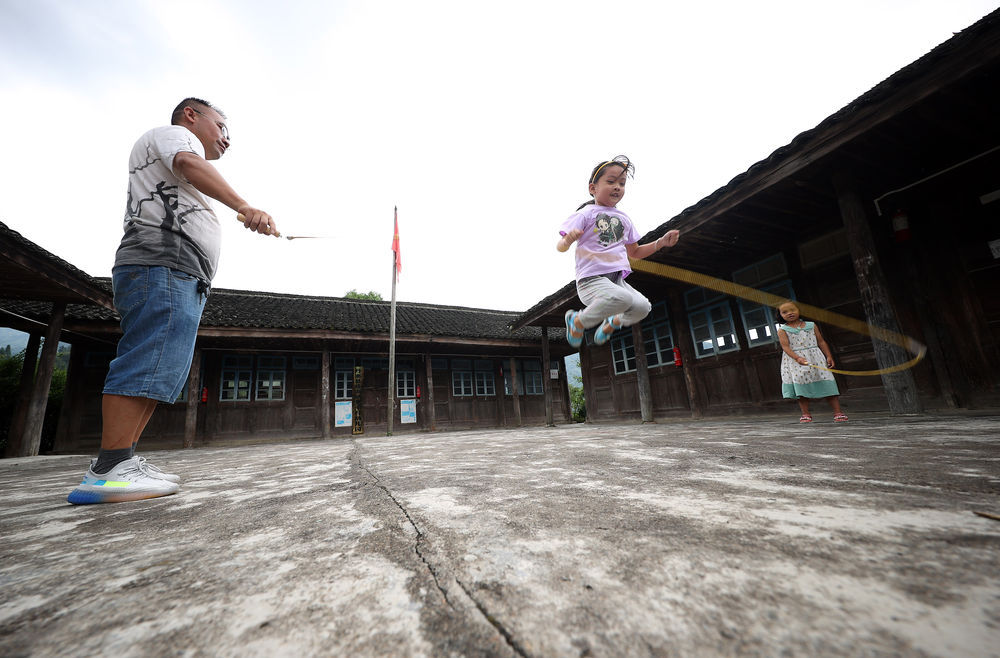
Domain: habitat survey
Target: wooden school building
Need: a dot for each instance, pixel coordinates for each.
(888, 211)
(276, 366)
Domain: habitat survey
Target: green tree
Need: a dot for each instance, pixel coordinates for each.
(371, 295)
(577, 403)
(10, 383)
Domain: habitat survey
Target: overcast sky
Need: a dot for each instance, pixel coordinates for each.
(480, 120)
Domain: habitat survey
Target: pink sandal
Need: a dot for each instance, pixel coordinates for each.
(840, 418)
(806, 418)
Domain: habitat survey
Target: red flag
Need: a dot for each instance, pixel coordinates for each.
(395, 242)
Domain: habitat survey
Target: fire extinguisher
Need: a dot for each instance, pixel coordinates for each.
(204, 394)
(901, 226)
(677, 357)
(418, 392)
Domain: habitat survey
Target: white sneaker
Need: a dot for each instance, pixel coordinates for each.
(126, 481)
(155, 472)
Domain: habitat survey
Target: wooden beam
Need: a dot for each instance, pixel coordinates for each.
(546, 377)
(589, 397)
(65, 439)
(193, 400)
(32, 435)
(513, 389)
(900, 387)
(430, 419)
(324, 392)
(683, 342)
(568, 296)
(501, 396)
(642, 375)
(15, 434)
(76, 288)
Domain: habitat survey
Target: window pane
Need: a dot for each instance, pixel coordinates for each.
(405, 384)
(623, 353)
(485, 384)
(461, 383)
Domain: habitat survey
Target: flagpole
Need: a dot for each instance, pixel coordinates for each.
(392, 329)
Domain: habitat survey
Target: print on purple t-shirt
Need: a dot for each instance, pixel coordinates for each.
(600, 249)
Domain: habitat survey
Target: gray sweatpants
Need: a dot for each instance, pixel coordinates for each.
(606, 295)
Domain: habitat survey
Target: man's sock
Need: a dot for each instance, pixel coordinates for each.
(133, 449)
(108, 459)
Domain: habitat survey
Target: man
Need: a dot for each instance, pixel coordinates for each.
(161, 278)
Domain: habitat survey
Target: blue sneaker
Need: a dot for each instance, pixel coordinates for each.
(603, 333)
(127, 481)
(574, 336)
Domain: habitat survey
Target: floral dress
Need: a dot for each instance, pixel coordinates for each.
(798, 381)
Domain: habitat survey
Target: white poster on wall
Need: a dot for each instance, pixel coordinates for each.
(342, 414)
(407, 411)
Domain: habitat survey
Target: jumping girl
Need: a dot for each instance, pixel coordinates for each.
(605, 240)
(803, 344)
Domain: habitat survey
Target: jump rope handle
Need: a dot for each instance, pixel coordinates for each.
(243, 220)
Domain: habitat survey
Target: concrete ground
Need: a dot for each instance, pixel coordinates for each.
(752, 536)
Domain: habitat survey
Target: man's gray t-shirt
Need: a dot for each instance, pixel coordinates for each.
(167, 221)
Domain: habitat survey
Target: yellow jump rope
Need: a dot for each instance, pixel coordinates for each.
(813, 312)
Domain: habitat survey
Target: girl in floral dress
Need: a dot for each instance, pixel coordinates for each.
(803, 344)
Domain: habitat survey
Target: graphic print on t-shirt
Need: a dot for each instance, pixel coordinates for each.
(609, 229)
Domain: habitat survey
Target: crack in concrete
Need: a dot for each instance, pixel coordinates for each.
(507, 636)
(511, 642)
(420, 535)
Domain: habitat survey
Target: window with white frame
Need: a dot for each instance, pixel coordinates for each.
(270, 378)
(406, 384)
(461, 383)
(533, 384)
(529, 378)
(343, 378)
(485, 379)
(658, 337)
(623, 352)
(485, 384)
(769, 275)
(712, 330)
(761, 321)
(237, 374)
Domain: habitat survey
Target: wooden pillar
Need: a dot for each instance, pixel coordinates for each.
(31, 438)
(754, 387)
(501, 396)
(683, 341)
(918, 293)
(513, 390)
(547, 377)
(324, 393)
(16, 432)
(429, 418)
(589, 398)
(642, 375)
(65, 439)
(900, 387)
(193, 400)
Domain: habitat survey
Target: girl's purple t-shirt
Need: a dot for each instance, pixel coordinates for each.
(600, 249)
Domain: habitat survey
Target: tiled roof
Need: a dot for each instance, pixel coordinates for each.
(8, 234)
(265, 310)
(243, 308)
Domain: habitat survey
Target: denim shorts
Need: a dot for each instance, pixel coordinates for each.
(160, 310)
